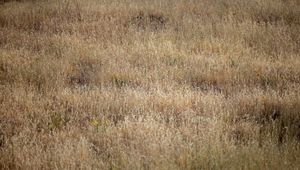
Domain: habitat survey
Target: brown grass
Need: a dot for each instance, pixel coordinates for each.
(136, 84)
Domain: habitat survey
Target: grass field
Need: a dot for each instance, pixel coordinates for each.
(140, 84)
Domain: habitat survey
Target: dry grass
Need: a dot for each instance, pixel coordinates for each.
(136, 84)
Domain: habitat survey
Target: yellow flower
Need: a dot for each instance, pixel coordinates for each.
(95, 122)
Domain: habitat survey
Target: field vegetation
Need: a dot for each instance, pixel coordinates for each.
(160, 84)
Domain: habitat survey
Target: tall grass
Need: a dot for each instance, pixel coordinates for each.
(136, 84)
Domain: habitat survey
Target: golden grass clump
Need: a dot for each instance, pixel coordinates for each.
(136, 84)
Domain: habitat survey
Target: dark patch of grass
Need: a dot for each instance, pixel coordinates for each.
(149, 21)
